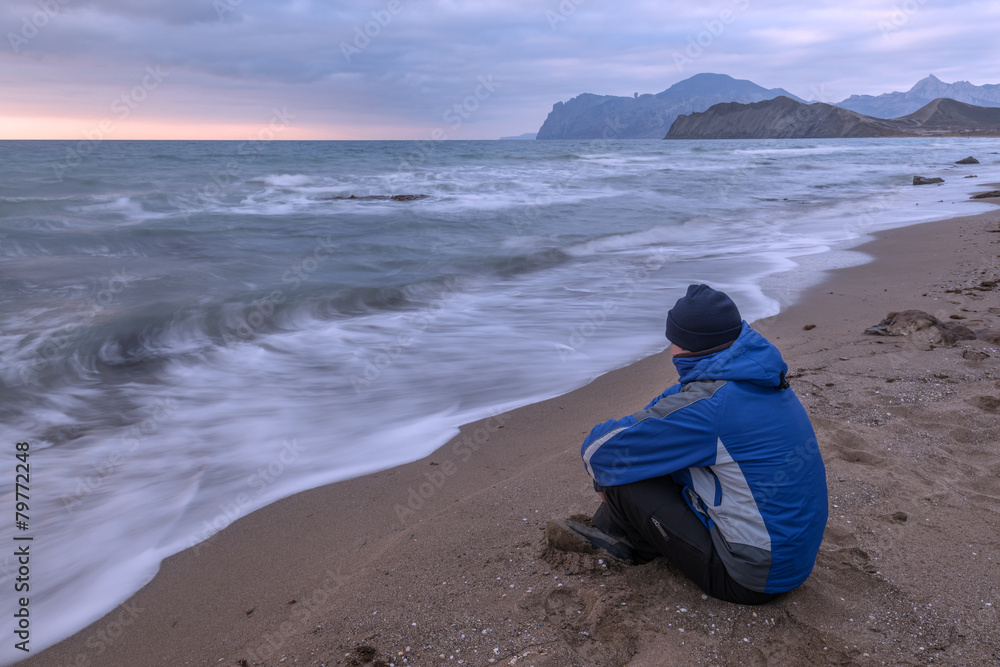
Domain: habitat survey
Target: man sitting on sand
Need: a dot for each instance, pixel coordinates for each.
(721, 473)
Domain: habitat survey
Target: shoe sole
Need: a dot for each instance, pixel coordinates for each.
(602, 540)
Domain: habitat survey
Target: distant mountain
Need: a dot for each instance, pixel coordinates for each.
(784, 118)
(894, 105)
(589, 116)
(526, 135)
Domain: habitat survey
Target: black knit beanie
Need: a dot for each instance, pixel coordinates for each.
(702, 319)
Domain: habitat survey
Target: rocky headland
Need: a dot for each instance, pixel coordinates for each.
(785, 118)
(589, 116)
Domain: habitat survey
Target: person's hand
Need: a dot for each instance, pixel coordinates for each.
(601, 494)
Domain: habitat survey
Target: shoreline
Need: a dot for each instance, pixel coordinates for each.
(256, 579)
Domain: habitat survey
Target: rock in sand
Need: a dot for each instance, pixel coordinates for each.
(920, 326)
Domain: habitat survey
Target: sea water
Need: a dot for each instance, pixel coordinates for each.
(193, 330)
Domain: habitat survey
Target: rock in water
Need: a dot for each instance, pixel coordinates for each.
(920, 326)
(968, 160)
(922, 180)
(375, 198)
(987, 195)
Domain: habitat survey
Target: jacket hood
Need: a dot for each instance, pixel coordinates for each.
(751, 358)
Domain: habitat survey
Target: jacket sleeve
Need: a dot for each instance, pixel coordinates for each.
(669, 392)
(676, 431)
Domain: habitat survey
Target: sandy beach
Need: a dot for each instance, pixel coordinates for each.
(443, 561)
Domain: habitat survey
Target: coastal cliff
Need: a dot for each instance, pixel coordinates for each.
(785, 118)
(589, 116)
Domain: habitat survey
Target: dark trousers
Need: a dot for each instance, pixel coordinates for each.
(636, 509)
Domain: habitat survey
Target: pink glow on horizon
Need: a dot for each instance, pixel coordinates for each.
(57, 128)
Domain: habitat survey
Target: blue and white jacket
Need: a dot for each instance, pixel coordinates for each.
(738, 441)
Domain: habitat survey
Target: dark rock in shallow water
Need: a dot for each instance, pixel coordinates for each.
(921, 326)
(375, 198)
(972, 176)
(987, 195)
(968, 160)
(922, 180)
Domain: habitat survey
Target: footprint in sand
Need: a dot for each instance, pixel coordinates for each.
(569, 610)
(858, 456)
(990, 404)
(841, 549)
(852, 448)
(593, 626)
(964, 435)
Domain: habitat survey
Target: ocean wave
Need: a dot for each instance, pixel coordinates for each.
(288, 180)
(120, 208)
(645, 239)
(797, 150)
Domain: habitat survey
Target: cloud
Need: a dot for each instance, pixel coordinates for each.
(175, 12)
(404, 64)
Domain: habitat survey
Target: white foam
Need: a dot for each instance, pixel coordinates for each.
(287, 180)
(656, 236)
(796, 150)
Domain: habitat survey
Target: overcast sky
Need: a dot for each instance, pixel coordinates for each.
(395, 69)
